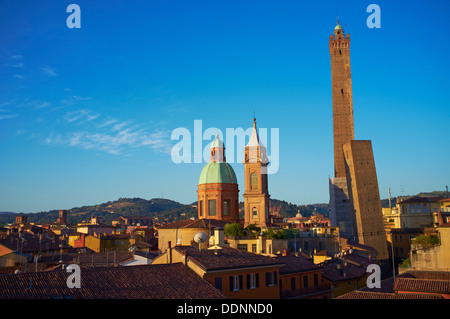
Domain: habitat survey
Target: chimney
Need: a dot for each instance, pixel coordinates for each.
(440, 219)
(169, 252)
(219, 236)
(184, 259)
(339, 268)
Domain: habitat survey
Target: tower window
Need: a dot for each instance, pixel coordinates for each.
(253, 180)
(212, 207)
(342, 91)
(226, 207)
(254, 212)
(340, 52)
(201, 207)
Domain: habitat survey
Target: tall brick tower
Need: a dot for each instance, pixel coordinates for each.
(256, 195)
(341, 79)
(365, 196)
(355, 204)
(343, 130)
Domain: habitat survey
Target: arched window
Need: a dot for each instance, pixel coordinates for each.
(253, 181)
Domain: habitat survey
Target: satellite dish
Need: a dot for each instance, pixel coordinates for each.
(200, 238)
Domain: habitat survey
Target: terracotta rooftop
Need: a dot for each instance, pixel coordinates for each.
(357, 294)
(347, 271)
(194, 223)
(410, 285)
(418, 199)
(226, 258)
(31, 243)
(417, 285)
(172, 281)
(296, 264)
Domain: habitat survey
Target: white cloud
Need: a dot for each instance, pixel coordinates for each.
(8, 116)
(84, 115)
(41, 105)
(107, 123)
(49, 70)
(112, 136)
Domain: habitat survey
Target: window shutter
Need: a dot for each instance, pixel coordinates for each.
(275, 281)
(267, 279)
(257, 280)
(240, 282)
(231, 283)
(248, 281)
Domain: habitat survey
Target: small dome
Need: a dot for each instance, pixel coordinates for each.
(338, 27)
(217, 172)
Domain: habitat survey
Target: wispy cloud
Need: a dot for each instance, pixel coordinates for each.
(41, 105)
(18, 76)
(8, 116)
(5, 113)
(81, 115)
(111, 136)
(49, 70)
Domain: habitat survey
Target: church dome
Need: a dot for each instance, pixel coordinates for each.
(217, 172)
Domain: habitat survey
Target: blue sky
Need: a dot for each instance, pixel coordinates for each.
(86, 114)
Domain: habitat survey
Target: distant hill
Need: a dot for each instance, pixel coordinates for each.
(163, 209)
(290, 210)
(169, 210)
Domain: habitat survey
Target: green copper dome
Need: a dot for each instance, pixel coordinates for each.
(217, 172)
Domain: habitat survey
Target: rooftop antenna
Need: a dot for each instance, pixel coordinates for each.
(200, 238)
(390, 206)
(337, 14)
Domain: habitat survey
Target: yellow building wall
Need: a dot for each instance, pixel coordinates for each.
(263, 246)
(300, 289)
(10, 260)
(186, 235)
(343, 287)
(72, 238)
(262, 292)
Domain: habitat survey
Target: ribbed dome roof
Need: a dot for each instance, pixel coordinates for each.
(217, 172)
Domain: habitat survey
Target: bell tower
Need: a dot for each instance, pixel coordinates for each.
(341, 79)
(256, 195)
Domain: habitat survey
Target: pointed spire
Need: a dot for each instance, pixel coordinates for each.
(254, 139)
